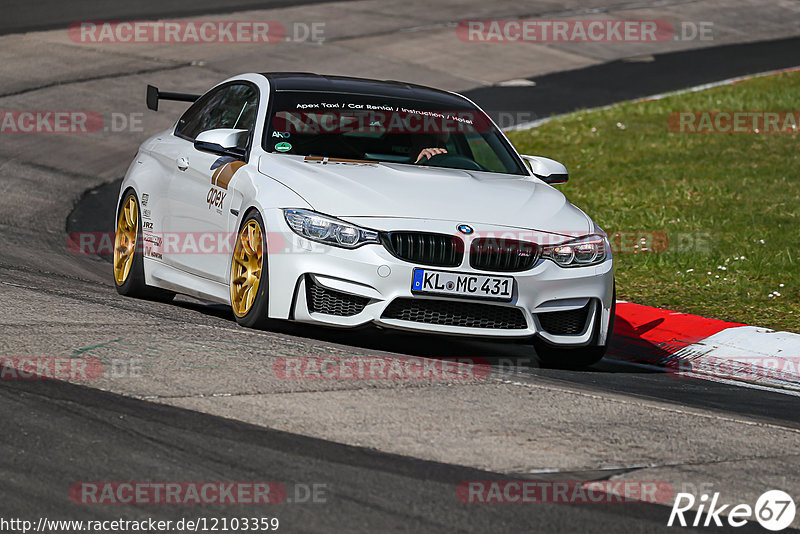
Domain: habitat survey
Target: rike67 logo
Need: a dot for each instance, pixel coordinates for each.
(774, 510)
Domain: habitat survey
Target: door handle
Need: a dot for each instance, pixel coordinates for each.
(182, 163)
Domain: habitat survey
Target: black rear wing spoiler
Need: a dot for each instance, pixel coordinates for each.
(154, 95)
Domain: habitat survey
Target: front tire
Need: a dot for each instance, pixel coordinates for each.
(248, 281)
(128, 254)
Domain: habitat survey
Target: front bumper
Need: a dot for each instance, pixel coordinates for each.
(369, 285)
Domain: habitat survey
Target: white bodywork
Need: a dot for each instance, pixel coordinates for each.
(181, 200)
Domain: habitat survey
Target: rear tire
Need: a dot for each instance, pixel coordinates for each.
(128, 260)
(249, 281)
(555, 357)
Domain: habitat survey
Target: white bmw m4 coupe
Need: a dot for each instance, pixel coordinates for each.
(343, 202)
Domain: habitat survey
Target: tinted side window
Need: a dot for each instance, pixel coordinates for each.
(197, 116)
(232, 106)
(237, 109)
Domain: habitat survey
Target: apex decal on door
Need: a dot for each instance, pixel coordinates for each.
(225, 167)
(215, 198)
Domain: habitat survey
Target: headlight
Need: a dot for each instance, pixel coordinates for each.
(328, 230)
(587, 250)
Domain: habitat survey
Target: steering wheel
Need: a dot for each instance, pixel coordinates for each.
(451, 161)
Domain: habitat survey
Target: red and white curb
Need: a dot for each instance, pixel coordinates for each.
(690, 346)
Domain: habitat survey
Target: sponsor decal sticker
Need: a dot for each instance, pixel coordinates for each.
(154, 239)
(333, 118)
(283, 147)
(219, 182)
(215, 198)
(339, 161)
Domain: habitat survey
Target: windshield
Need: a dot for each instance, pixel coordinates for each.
(378, 128)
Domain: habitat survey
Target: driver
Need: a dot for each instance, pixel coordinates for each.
(429, 145)
(428, 153)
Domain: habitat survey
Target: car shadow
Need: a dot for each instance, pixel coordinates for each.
(627, 345)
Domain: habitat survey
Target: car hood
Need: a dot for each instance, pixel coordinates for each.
(346, 188)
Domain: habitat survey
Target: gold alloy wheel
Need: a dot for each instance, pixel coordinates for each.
(125, 242)
(246, 268)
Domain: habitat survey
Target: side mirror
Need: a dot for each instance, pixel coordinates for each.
(222, 141)
(547, 170)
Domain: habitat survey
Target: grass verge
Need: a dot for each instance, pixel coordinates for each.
(717, 213)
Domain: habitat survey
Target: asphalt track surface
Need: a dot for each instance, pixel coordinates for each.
(620, 80)
(24, 16)
(56, 431)
(102, 436)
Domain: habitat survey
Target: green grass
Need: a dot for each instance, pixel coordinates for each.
(718, 197)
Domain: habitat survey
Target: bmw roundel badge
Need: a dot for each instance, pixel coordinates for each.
(465, 229)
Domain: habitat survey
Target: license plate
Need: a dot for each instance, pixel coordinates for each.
(462, 285)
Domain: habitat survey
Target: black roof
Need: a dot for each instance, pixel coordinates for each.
(305, 81)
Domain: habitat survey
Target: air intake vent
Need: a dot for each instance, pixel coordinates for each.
(439, 250)
(504, 255)
(452, 313)
(323, 300)
(565, 323)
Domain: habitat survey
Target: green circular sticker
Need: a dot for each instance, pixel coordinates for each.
(283, 147)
